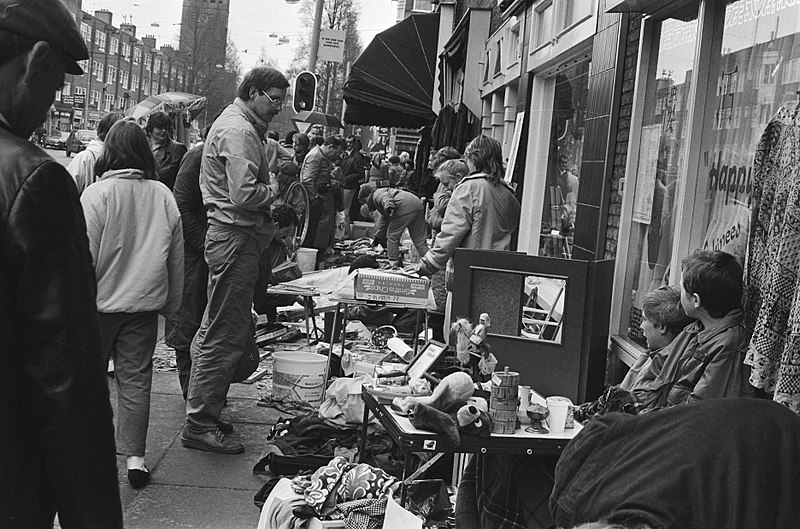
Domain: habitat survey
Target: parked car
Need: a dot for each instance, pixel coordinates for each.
(78, 140)
(56, 140)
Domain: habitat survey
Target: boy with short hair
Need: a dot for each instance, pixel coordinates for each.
(706, 360)
(663, 319)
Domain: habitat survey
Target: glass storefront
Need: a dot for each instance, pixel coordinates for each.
(565, 152)
(753, 58)
(660, 167)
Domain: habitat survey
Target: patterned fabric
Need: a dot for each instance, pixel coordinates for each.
(363, 514)
(771, 284)
(340, 481)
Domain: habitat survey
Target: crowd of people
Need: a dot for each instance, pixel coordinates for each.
(138, 227)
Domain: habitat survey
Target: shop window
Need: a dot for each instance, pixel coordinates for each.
(765, 47)
(659, 168)
(564, 160)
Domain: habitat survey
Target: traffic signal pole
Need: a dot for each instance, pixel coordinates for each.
(312, 60)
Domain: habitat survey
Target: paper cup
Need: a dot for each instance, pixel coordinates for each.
(558, 407)
(524, 397)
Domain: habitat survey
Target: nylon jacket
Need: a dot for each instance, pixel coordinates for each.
(480, 215)
(136, 241)
(190, 202)
(316, 170)
(234, 173)
(57, 441)
(354, 169)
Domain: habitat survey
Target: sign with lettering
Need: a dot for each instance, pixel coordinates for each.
(331, 45)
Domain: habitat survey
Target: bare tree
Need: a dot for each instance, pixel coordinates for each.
(337, 14)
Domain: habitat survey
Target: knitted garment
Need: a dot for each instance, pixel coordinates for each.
(771, 282)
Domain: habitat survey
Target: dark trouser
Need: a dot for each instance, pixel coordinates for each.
(131, 340)
(232, 256)
(193, 304)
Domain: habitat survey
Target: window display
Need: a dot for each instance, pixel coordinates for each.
(660, 164)
(564, 161)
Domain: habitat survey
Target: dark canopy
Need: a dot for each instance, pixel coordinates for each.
(391, 83)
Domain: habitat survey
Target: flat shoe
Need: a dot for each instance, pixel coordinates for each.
(213, 441)
(138, 478)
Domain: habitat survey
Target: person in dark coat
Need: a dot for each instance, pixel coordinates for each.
(195, 270)
(168, 152)
(57, 451)
(354, 173)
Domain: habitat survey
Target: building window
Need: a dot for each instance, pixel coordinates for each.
(67, 89)
(112, 49)
(137, 52)
(498, 57)
(126, 51)
(121, 103)
(100, 39)
(157, 65)
(97, 70)
(422, 5)
(543, 24)
(86, 33)
(486, 66)
(154, 89)
(124, 78)
(84, 64)
(112, 74)
(135, 82)
(514, 49)
(146, 87)
(574, 11)
(94, 99)
(80, 91)
(147, 60)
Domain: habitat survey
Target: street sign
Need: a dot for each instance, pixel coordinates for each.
(79, 100)
(331, 45)
(67, 100)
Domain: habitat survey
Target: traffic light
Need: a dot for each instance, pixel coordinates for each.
(305, 91)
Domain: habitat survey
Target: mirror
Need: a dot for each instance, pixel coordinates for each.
(543, 308)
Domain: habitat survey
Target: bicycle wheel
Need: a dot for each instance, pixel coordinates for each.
(297, 197)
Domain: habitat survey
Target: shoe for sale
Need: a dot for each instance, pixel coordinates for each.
(225, 427)
(213, 441)
(138, 477)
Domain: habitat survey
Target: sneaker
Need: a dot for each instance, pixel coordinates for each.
(212, 441)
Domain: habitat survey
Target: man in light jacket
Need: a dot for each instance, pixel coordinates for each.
(237, 193)
(82, 166)
(320, 185)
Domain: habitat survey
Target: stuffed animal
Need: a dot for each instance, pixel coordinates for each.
(467, 419)
(455, 387)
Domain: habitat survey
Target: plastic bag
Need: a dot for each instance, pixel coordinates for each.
(343, 404)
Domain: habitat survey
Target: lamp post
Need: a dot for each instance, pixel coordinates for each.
(312, 59)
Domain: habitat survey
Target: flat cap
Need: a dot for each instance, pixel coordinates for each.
(49, 21)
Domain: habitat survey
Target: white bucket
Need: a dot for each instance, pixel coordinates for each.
(299, 376)
(306, 259)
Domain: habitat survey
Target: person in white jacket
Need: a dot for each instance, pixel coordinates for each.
(82, 166)
(136, 241)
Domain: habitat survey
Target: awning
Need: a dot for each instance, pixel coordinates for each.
(650, 7)
(391, 83)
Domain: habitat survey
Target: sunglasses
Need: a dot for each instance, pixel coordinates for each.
(277, 102)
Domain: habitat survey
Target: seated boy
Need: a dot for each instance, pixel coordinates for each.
(663, 318)
(285, 218)
(706, 360)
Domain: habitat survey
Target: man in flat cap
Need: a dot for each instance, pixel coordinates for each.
(57, 437)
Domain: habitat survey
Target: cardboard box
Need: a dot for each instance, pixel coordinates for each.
(376, 285)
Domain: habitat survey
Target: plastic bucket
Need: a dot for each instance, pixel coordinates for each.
(306, 259)
(299, 376)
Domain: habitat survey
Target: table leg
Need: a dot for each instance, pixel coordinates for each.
(306, 302)
(362, 449)
(406, 472)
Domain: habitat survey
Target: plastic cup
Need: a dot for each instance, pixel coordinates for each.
(558, 407)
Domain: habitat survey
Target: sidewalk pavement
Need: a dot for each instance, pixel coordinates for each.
(191, 488)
